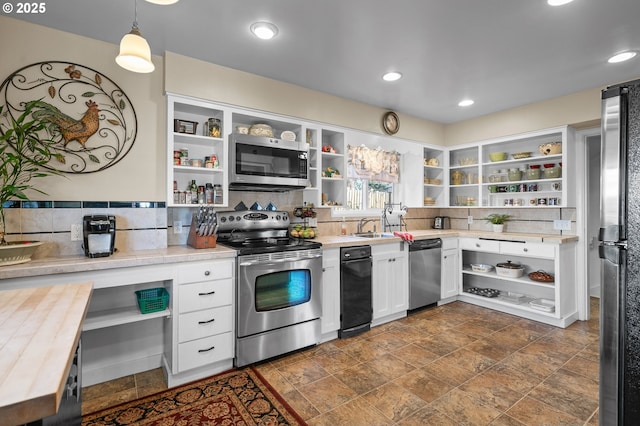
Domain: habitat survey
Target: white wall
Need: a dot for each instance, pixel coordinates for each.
(141, 174)
(580, 109)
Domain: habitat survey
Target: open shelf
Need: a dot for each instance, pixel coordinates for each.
(119, 316)
(521, 280)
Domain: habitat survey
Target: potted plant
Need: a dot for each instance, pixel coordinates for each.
(25, 148)
(497, 220)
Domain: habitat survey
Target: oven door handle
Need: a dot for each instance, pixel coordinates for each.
(277, 261)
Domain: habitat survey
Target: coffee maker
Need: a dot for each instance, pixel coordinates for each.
(99, 235)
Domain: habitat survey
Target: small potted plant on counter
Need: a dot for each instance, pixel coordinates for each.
(25, 148)
(497, 221)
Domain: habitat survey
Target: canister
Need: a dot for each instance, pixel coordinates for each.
(212, 126)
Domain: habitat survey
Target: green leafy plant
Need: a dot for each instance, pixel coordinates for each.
(25, 148)
(497, 218)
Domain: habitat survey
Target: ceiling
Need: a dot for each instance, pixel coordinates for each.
(501, 53)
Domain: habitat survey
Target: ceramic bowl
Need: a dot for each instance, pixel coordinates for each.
(551, 148)
(481, 267)
(497, 156)
(508, 269)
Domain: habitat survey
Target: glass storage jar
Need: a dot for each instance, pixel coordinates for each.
(533, 173)
(515, 174)
(552, 172)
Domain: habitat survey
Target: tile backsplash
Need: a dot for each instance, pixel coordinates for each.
(140, 225)
(151, 225)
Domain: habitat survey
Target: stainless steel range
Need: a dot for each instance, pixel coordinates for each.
(278, 293)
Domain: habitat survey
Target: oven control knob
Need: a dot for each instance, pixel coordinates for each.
(238, 218)
(223, 219)
(231, 218)
(278, 217)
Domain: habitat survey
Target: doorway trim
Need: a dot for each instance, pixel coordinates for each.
(581, 221)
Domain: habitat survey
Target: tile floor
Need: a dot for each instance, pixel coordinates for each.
(451, 365)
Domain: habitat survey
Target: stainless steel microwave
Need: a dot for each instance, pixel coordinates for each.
(267, 164)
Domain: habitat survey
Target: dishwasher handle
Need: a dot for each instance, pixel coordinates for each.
(425, 244)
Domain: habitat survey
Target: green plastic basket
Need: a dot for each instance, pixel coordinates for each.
(152, 300)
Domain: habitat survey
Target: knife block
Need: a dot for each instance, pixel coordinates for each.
(199, 241)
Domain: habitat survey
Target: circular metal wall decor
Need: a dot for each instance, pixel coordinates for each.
(89, 117)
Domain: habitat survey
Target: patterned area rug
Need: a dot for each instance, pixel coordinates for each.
(239, 397)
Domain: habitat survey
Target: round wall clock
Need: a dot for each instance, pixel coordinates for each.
(88, 117)
(390, 123)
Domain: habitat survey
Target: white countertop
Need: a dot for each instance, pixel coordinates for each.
(349, 240)
(174, 254)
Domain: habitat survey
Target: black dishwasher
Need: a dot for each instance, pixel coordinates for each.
(356, 310)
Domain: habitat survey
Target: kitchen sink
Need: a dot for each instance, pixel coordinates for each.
(372, 235)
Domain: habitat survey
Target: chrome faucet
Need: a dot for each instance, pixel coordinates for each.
(363, 222)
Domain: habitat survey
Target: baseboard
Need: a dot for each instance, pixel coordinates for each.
(379, 321)
(114, 371)
(594, 291)
(195, 373)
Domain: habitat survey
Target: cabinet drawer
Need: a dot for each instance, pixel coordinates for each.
(546, 251)
(196, 325)
(449, 243)
(205, 351)
(204, 271)
(479, 245)
(204, 295)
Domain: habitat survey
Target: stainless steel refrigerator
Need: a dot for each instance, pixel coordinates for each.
(620, 251)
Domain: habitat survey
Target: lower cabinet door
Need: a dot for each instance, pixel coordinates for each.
(205, 351)
(196, 325)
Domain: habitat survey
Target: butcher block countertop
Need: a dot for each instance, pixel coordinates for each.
(70, 264)
(39, 332)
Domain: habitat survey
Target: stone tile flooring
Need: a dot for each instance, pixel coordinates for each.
(451, 365)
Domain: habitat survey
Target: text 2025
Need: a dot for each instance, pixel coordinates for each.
(31, 7)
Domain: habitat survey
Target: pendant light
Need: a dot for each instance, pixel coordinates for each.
(135, 54)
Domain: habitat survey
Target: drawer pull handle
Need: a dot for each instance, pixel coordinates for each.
(207, 273)
(477, 245)
(526, 249)
(207, 322)
(207, 294)
(206, 350)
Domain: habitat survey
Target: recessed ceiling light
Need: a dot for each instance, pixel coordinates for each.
(621, 57)
(264, 30)
(465, 102)
(558, 2)
(163, 2)
(392, 76)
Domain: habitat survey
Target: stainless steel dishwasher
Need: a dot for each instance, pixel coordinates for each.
(356, 310)
(424, 272)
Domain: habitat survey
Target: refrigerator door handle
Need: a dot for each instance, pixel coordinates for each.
(610, 233)
(611, 252)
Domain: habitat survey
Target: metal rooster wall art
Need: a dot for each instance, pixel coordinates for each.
(91, 119)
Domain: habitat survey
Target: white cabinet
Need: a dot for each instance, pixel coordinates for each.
(434, 178)
(205, 314)
(450, 273)
(464, 175)
(187, 137)
(390, 281)
(549, 302)
(333, 173)
(480, 177)
(330, 292)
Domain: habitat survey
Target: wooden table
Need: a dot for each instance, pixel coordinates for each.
(39, 331)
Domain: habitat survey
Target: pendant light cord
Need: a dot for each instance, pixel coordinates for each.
(135, 14)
